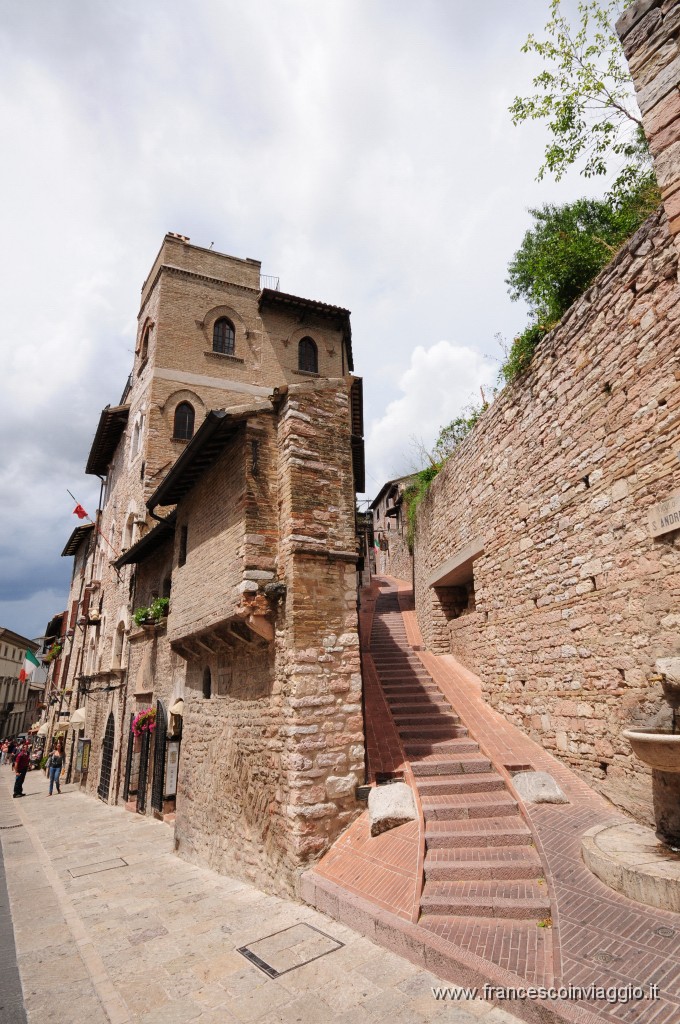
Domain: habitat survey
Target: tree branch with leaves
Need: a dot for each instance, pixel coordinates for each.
(586, 96)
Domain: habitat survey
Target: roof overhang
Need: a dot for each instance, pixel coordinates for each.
(112, 423)
(55, 626)
(205, 447)
(457, 569)
(148, 544)
(76, 539)
(271, 298)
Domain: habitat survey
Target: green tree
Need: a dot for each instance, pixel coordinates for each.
(586, 96)
(450, 436)
(568, 245)
(562, 254)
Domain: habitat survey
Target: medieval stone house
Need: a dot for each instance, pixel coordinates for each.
(228, 468)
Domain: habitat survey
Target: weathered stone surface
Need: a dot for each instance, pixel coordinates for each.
(272, 707)
(629, 858)
(538, 788)
(669, 667)
(389, 806)
(568, 609)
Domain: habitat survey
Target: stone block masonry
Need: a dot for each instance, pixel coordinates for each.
(571, 601)
(274, 751)
(255, 549)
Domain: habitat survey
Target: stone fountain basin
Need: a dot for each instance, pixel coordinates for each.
(658, 748)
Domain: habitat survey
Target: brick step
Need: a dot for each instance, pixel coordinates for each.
(431, 701)
(443, 865)
(401, 692)
(468, 805)
(426, 720)
(524, 900)
(438, 765)
(396, 687)
(405, 678)
(503, 831)
(482, 782)
(443, 731)
(445, 926)
(417, 749)
(390, 675)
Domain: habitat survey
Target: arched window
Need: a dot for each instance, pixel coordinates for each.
(144, 348)
(308, 356)
(118, 646)
(183, 429)
(137, 431)
(128, 532)
(207, 683)
(223, 336)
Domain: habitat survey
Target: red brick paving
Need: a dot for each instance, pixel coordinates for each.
(598, 936)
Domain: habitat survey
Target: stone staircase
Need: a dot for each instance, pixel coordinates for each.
(480, 859)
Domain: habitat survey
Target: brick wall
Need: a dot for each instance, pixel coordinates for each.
(573, 599)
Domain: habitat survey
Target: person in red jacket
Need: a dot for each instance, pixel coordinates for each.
(21, 763)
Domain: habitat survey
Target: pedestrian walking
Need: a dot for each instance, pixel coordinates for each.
(55, 764)
(21, 762)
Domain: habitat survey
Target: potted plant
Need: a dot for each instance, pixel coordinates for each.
(152, 615)
(144, 721)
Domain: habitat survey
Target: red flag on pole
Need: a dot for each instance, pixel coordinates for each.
(80, 512)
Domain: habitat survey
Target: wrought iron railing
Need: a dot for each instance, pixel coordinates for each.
(267, 281)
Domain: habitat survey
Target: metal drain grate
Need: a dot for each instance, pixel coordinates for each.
(664, 932)
(293, 947)
(19, 824)
(93, 869)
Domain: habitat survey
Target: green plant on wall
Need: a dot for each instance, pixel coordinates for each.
(413, 496)
(153, 613)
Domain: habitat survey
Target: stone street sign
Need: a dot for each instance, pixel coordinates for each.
(665, 516)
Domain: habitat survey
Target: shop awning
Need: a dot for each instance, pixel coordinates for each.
(177, 708)
(77, 719)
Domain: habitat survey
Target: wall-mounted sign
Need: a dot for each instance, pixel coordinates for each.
(83, 755)
(171, 767)
(665, 517)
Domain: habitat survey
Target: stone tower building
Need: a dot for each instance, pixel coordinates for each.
(229, 470)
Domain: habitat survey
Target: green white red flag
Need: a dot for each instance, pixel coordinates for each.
(31, 663)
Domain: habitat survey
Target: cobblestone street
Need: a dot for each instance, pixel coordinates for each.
(110, 925)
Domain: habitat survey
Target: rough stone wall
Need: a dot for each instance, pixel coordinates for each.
(573, 599)
(318, 667)
(650, 35)
(273, 755)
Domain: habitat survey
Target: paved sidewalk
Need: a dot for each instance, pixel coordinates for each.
(111, 925)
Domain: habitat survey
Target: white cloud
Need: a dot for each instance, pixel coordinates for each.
(362, 151)
(438, 385)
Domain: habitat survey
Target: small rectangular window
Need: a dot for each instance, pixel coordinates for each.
(182, 545)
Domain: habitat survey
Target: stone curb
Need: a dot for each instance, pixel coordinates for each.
(638, 876)
(433, 953)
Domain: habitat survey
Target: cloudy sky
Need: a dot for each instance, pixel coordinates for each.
(361, 149)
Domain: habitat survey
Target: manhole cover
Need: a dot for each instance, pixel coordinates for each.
(285, 950)
(92, 869)
(603, 957)
(664, 932)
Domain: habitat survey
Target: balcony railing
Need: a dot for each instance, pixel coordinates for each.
(266, 281)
